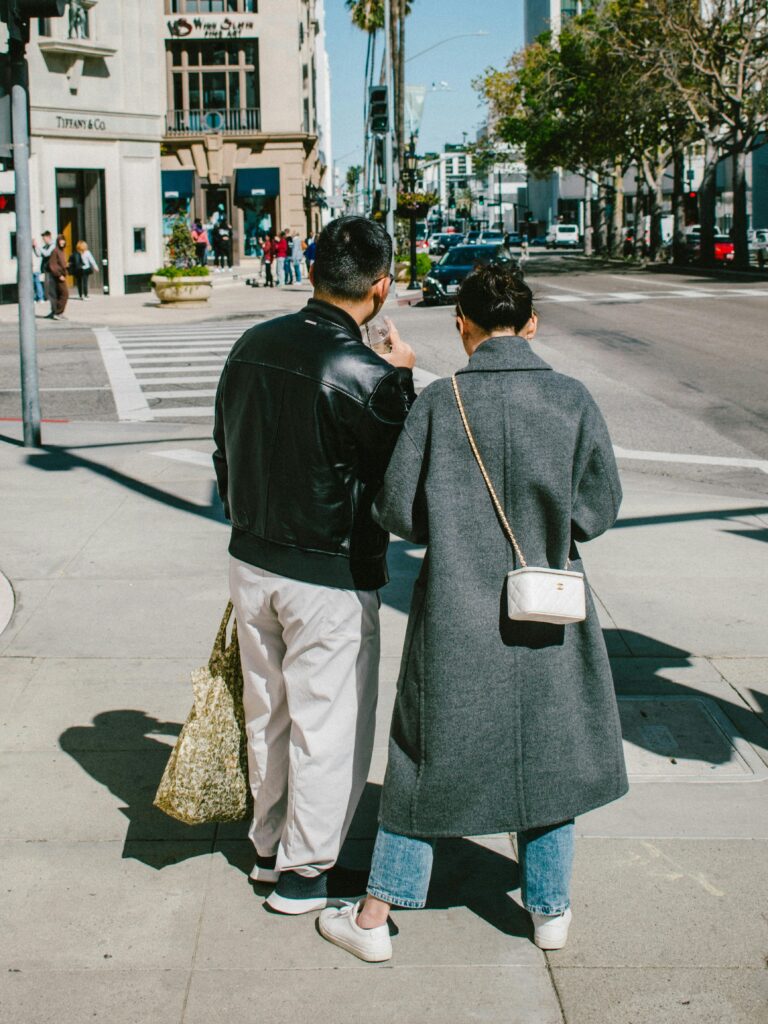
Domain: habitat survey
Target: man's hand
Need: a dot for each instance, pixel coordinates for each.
(400, 354)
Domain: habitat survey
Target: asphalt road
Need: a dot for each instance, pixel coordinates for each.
(678, 363)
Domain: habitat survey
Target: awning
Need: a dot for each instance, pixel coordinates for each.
(178, 184)
(257, 181)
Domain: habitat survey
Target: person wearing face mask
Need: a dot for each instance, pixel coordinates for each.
(307, 416)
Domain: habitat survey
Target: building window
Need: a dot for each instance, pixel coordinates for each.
(211, 6)
(43, 26)
(139, 239)
(215, 85)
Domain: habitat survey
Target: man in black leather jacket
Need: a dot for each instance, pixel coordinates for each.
(307, 416)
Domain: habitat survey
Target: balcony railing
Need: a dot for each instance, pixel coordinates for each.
(242, 121)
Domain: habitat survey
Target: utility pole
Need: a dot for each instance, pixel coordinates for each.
(16, 15)
(390, 190)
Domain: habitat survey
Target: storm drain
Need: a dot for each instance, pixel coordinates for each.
(685, 739)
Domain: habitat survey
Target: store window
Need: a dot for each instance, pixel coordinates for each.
(215, 85)
(211, 6)
(139, 239)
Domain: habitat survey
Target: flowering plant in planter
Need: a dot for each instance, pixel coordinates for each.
(182, 280)
(415, 204)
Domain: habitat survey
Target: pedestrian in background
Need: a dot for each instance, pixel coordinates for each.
(499, 725)
(222, 240)
(82, 266)
(297, 252)
(309, 252)
(288, 265)
(281, 254)
(56, 279)
(268, 256)
(306, 558)
(200, 238)
(38, 290)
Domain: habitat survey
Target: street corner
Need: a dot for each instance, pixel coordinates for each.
(7, 601)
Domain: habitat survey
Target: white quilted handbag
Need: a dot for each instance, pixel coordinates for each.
(534, 594)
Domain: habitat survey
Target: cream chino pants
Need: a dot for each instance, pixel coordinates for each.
(310, 657)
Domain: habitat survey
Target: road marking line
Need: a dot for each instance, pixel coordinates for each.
(187, 411)
(170, 359)
(175, 369)
(421, 378)
(129, 398)
(190, 455)
(192, 393)
(693, 460)
(15, 391)
(178, 380)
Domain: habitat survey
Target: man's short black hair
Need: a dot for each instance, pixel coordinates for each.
(352, 254)
(496, 296)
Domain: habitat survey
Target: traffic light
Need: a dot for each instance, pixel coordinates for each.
(7, 202)
(481, 200)
(18, 13)
(378, 106)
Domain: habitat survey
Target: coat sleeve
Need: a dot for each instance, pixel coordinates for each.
(400, 506)
(220, 453)
(596, 486)
(381, 424)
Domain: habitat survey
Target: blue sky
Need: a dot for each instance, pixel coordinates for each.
(446, 113)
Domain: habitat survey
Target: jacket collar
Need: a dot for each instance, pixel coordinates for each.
(504, 352)
(335, 314)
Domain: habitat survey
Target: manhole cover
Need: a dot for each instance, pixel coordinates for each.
(685, 739)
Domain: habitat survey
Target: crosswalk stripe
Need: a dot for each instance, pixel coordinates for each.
(191, 393)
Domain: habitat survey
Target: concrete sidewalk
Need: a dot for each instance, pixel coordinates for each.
(114, 543)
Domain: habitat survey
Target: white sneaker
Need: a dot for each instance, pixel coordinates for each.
(341, 928)
(264, 871)
(550, 931)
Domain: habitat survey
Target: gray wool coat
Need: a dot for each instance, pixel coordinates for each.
(499, 725)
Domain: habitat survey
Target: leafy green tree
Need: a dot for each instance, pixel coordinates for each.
(714, 54)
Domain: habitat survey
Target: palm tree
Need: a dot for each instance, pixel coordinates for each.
(368, 15)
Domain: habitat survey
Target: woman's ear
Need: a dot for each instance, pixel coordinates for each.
(529, 330)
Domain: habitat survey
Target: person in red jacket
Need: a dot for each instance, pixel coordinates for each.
(268, 246)
(281, 254)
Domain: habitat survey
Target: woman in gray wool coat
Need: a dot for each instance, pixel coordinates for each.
(499, 725)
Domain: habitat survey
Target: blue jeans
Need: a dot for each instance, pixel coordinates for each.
(297, 270)
(37, 287)
(402, 866)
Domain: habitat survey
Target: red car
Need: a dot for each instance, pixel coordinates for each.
(723, 249)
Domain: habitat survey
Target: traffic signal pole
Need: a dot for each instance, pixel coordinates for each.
(30, 391)
(389, 155)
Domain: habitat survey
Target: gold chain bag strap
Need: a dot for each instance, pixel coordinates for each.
(534, 594)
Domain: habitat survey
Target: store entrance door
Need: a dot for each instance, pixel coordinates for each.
(80, 199)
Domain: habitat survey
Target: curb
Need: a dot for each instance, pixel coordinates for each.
(7, 601)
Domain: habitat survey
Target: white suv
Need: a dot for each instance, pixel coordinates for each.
(563, 236)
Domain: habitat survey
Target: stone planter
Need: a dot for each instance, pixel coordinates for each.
(182, 289)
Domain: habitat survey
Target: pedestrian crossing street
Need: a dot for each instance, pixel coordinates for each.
(167, 372)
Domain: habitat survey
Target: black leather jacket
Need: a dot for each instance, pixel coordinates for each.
(306, 419)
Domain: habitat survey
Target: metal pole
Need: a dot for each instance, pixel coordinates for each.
(30, 394)
(389, 156)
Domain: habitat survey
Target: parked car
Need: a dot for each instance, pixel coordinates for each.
(563, 236)
(441, 241)
(421, 237)
(442, 282)
(513, 238)
(471, 237)
(723, 247)
(491, 238)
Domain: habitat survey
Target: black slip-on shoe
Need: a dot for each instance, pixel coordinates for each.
(264, 870)
(298, 894)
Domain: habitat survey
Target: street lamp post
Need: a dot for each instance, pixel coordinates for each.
(411, 163)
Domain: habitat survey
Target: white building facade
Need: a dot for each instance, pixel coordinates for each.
(96, 122)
